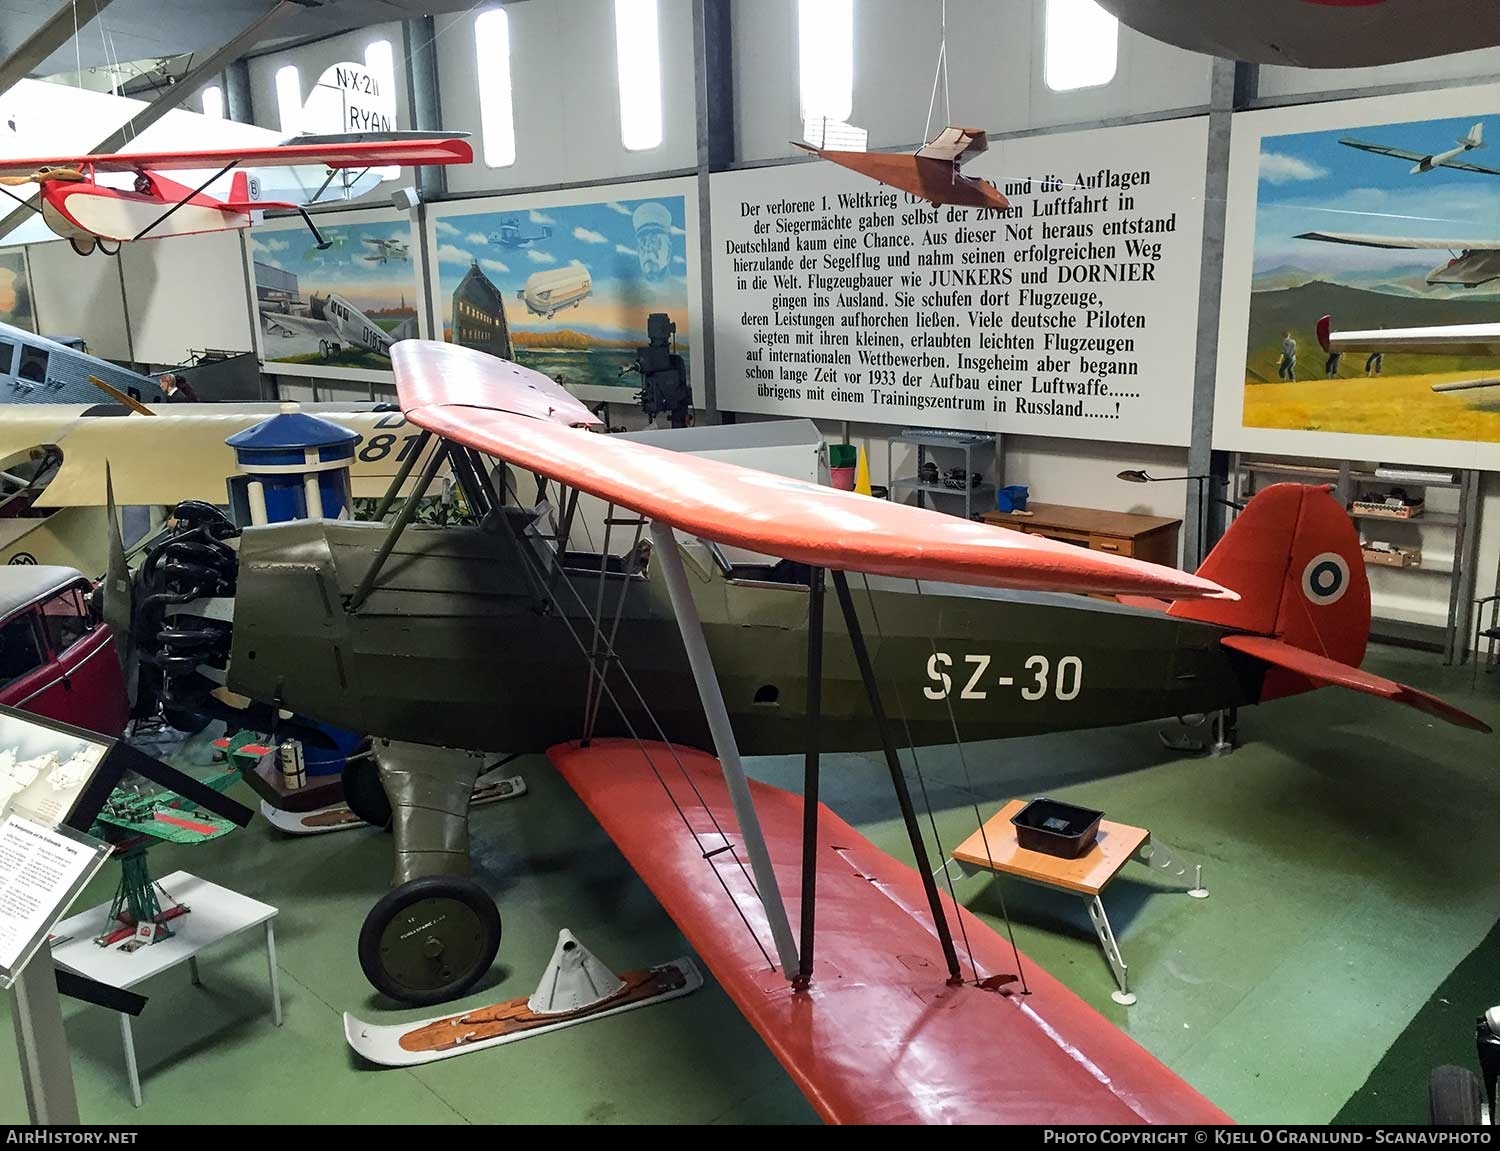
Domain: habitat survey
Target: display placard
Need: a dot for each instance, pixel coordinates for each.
(1071, 313)
(45, 767)
(42, 870)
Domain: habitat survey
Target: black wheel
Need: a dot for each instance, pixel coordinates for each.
(83, 245)
(365, 794)
(323, 349)
(430, 940)
(1455, 1097)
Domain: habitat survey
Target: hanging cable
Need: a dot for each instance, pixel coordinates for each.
(963, 760)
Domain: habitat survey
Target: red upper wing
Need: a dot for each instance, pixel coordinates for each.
(406, 153)
(453, 391)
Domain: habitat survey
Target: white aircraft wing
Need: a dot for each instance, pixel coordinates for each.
(1384, 150)
(955, 145)
(1443, 339)
(1464, 165)
(1369, 241)
(833, 135)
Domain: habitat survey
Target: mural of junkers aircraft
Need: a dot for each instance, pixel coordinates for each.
(626, 659)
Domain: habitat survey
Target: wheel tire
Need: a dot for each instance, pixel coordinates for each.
(430, 940)
(323, 349)
(1455, 1097)
(82, 245)
(365, 794)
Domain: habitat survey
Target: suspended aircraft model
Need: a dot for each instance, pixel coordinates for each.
(1316, 33)
(1439, 339)
(90, 213)
(733, 654)
(931, 173)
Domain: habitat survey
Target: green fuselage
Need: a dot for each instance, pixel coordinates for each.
(471, 639)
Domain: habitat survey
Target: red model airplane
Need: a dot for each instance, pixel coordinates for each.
(92, 215)
(930, 173)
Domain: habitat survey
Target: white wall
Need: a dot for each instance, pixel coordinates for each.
(563, 83)
(995, 54)
(186, 292)
(311, 60)
(1482, 64)
(79, 296)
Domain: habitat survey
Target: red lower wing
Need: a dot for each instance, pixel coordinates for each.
(879, 1037)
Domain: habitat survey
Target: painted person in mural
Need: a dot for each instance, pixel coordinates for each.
(566, 289)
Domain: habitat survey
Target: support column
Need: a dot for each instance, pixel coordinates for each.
(664, 542)
(713, 92)
(1230, 83)
(424, 100)
(238, 105)
(811, 771)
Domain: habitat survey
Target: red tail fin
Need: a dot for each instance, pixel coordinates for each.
(1293, 555)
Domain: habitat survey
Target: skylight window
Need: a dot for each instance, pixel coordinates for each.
(825, 58)
(213, 102)
(382, 65)
(638, 69)
(497, 121)
(1082, 45)
(289, 98)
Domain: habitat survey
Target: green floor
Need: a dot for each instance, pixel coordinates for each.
(1349, 847)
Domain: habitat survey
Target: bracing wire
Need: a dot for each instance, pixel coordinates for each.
(611, 655)
(940, 73)
(984, 838)
(922, 785)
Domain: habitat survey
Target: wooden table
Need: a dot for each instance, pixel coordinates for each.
(1150, 538)
(996, 849)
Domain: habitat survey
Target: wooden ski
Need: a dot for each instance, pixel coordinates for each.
(428, 1040)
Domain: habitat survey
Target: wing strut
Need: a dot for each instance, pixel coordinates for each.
(898, 777)
(152, 225)
(811, 769)
(717, 714)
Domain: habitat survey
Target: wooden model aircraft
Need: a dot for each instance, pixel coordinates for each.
(395, 629)
(90, 214)
(931, 173)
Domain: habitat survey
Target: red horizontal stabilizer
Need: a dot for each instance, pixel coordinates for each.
(879, 1037)
(470, 398)
(354, 154)
(1324, 672)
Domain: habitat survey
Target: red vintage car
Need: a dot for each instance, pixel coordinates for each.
(57, 658)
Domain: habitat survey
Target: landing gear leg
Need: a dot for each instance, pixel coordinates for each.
(1225, 721)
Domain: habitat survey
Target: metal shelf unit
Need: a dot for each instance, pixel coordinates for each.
(1446, 626)
(928, 441)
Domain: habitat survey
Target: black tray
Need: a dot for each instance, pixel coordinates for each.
(1056, 828)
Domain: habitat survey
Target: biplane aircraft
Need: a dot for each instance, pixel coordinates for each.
(384, 251)
(931, 173)
(1437, 339)
(638, 653)
(80, 204)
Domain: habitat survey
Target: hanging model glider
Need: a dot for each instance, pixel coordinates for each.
(1439, 339)
(92, 214)
(931, 173)
(1474, 262)
(1427, 161)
